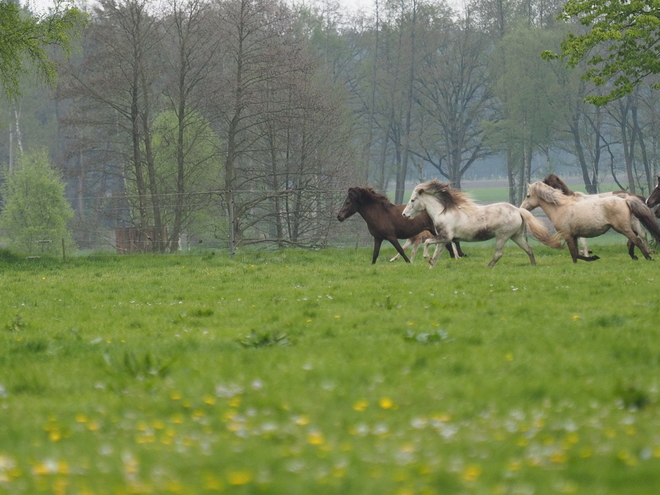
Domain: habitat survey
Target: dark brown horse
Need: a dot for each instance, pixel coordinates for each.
(385, 220)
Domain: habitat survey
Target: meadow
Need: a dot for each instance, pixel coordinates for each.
(298, 372)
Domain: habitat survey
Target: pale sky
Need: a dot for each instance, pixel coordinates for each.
(350, 5)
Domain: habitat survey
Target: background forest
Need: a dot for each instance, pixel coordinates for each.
(236, 122)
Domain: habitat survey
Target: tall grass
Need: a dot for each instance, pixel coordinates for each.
(296, 372)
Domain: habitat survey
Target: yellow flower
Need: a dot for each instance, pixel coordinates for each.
(316, 438)
(238, 478)
(360, 405)
(385, 402)
(471, 472)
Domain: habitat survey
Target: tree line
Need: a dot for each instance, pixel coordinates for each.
(246, 120)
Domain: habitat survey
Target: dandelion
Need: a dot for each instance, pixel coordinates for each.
(316, 438)
(558, 457)
(337, 317)
(175, 395)
(360, 405)
(209, 399)
(213, 483)
(509, 356)
(385, 403)
(576, 317)
(471, 472)
(237, 478)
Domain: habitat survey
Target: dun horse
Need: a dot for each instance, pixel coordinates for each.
(555, 182)
(384, 220)
(456, 217)
(591, 216)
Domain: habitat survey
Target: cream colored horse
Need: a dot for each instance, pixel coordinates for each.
(591, 216)
(555, 182)
(457, 218)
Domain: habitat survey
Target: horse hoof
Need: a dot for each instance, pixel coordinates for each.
(594, 257)
(634, 257)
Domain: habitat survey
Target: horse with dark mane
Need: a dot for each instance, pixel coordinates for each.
(385, 221)
(591, 216)
(555, 182)
(654, 199)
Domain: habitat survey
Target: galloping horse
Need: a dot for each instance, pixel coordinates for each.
(591, 216)
(384, 220)
(654, 198)
(555, 182)
(456, 217)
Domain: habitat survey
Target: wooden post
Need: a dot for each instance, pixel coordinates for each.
(63, 251)
(232, 234)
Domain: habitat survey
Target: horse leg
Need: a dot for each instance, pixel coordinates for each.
(519, 239)
(414, 249)
(632, 238)
(571, 242)
(440, 245)
(377, 243)
(639, 230)
(406, 246)
(397, 246)
(583, 243)
(631, 250)
(452, 252)
(499, 248)
(457, 248)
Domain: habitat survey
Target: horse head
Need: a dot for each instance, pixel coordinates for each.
(350, 206)
(539, 192)
(434, 194)
(654, 197)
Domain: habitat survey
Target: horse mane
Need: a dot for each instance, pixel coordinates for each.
(555, 182)
(369, 195)
(448, 197)
(547, 193)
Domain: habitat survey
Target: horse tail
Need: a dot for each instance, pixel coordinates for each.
(645, 215)
(540, 231)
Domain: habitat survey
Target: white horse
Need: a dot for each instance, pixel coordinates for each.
(591, 216)
(457, 218)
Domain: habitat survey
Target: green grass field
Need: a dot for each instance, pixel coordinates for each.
(296, 372)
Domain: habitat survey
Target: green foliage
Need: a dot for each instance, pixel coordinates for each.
(264, 339)
(620, 47)
(35, 212)
(517, 379)
(25, 39)
(138, 368)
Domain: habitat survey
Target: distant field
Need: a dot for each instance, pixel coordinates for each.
(296, 372)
